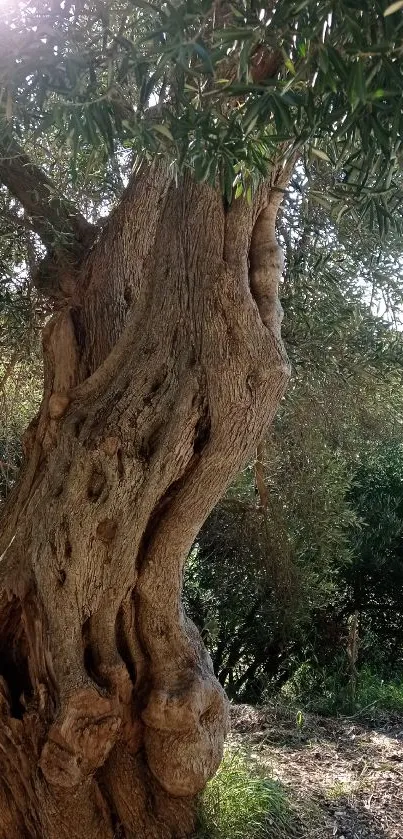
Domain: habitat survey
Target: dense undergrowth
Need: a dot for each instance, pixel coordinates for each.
(329, 692)
(301, 600)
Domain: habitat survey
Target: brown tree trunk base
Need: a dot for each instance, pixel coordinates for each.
(98, 770)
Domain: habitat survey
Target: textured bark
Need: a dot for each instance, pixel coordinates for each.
(162, 371)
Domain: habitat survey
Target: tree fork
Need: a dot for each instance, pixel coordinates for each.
(162, 372)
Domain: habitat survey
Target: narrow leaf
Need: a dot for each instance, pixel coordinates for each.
(394, 7)
(164, 130)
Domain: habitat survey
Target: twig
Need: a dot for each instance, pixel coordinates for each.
(357, 714)
(10, 368)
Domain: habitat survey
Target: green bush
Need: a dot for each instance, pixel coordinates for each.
(269, 591)
(329, 691)
(381, 694)
(238, 803)
(319, 690)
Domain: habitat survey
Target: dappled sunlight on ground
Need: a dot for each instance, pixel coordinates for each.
(344, 777)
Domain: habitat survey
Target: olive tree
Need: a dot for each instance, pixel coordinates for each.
(147, 146)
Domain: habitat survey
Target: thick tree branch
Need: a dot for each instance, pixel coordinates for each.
(53, 218)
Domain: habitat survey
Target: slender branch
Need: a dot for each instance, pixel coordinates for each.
(9, 368)
(259, 476)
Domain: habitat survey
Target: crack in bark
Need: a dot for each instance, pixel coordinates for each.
(17, 688)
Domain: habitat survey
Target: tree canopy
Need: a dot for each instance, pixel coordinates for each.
(220, 88)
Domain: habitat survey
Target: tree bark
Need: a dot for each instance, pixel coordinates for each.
(163, 368)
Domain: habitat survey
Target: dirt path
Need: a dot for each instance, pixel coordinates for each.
(345, 779)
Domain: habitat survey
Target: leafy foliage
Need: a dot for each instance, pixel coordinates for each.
(22, 314)
(20, 376)
(221, 88)
(327, 690)
(273, 619)
(375, 577)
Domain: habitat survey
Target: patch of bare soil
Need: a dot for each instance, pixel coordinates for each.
(345, 778)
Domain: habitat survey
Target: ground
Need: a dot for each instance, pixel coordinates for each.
(344, 777)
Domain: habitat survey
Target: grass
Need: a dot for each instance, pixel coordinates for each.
(240, 802)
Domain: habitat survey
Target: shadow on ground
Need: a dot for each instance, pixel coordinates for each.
(344, 778)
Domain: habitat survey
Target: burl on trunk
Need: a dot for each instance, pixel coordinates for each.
(163, 367)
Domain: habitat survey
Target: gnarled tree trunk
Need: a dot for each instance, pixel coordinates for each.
(163, 367)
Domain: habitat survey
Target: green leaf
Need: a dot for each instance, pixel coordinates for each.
(394, 7)
(319, 153)
(205, 56)
(164, 130)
